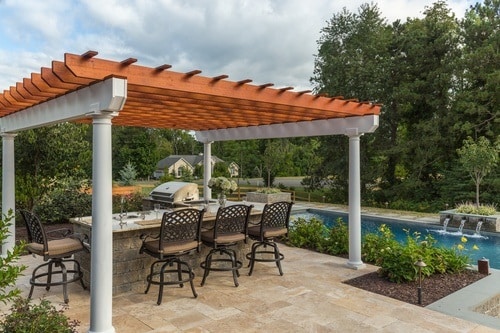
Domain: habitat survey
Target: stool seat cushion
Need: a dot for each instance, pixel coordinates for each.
(268, 232)
(229, 238)
(170, 247)
(57, 247)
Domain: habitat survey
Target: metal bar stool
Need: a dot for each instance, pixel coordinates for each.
(274, 223)
(230, 227)
(179, 235)
(56, 247)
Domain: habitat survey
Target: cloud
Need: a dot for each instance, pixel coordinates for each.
(264, 40)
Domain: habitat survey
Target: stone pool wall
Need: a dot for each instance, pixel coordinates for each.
(489, 223)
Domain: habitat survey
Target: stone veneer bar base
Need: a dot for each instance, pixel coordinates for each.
(130, 268)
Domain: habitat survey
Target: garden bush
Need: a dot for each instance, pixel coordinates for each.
(314, 235)
(9, 269)
(470, 208)
(67, 198)
(395, 259)
(27, 317)
(337, 242)
(309, 234)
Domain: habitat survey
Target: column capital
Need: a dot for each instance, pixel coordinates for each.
(353, 132)
(8, 135)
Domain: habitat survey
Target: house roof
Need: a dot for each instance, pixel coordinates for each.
(158, 97)
(193, 160)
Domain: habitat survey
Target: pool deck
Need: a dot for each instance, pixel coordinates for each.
(309, 297)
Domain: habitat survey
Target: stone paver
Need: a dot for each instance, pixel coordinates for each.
(309, 297)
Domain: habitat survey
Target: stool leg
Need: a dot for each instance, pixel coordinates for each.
(179, 273)
(162, 280)
(150, 277)
(251, 262)
(191, 278)
(208, 264)
(232, 255)
(277, 257)
(65, 284)
(49, 276)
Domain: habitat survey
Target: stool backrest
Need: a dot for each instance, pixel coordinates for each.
(276, 215)
(181, 225)
(232, 219)
(34, 228)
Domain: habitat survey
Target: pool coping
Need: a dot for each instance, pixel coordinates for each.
(462, 303)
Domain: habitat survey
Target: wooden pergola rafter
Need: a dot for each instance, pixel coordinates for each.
(161, 98)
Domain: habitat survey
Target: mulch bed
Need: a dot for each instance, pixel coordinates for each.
(434, 287)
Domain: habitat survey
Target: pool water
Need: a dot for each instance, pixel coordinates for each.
(488, 243)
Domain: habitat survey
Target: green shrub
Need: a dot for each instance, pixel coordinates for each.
(67, 198)
(9, 270)
(309, 234)
(337, 241)
(470, 208)
(26, 317)
(131, 202)
(397, 260)
(375, 243)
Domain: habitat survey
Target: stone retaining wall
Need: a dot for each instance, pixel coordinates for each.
(489, 223)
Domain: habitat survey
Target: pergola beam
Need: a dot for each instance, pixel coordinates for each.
(109, 95)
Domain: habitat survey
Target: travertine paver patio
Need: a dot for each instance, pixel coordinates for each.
(310, 297)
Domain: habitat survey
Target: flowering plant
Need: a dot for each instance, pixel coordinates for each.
(222, 185)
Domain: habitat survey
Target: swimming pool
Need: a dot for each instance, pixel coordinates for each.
(488, 243)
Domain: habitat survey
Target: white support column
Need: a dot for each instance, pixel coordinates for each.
(354, 201)
(8, 189)
(101, 272)
(207, 169)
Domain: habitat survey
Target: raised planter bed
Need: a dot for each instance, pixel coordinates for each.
(268, 197)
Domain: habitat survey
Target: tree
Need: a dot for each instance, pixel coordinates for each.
(45, 156)
(479, 158)
(128, 174)
(478, 74)
(354, 61)
(276, 152)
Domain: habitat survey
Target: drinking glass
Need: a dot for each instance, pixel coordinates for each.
(156, 209)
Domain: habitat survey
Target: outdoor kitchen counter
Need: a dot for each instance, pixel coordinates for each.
(131, 268)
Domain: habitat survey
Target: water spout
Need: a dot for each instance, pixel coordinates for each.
(462, 223)
(445, 223)
(478, 227)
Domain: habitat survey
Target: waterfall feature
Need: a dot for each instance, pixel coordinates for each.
(445, 223)
(462, 223)
(478, 227)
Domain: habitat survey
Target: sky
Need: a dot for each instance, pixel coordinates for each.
(268, 41)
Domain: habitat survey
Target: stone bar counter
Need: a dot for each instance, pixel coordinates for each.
(130, 268)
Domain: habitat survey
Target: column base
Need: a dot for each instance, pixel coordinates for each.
(355, 264)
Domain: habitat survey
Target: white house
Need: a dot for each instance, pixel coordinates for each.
(177, 164)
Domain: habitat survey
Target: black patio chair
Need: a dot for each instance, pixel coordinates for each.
(56, 247)
(230, 228)
(273, 224)
(179, 236)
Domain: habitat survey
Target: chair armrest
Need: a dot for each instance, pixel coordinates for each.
(144, 237)
(58, 233)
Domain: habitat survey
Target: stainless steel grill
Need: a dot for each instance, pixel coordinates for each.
(171, 194)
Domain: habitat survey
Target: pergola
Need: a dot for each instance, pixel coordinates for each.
(87, 89)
